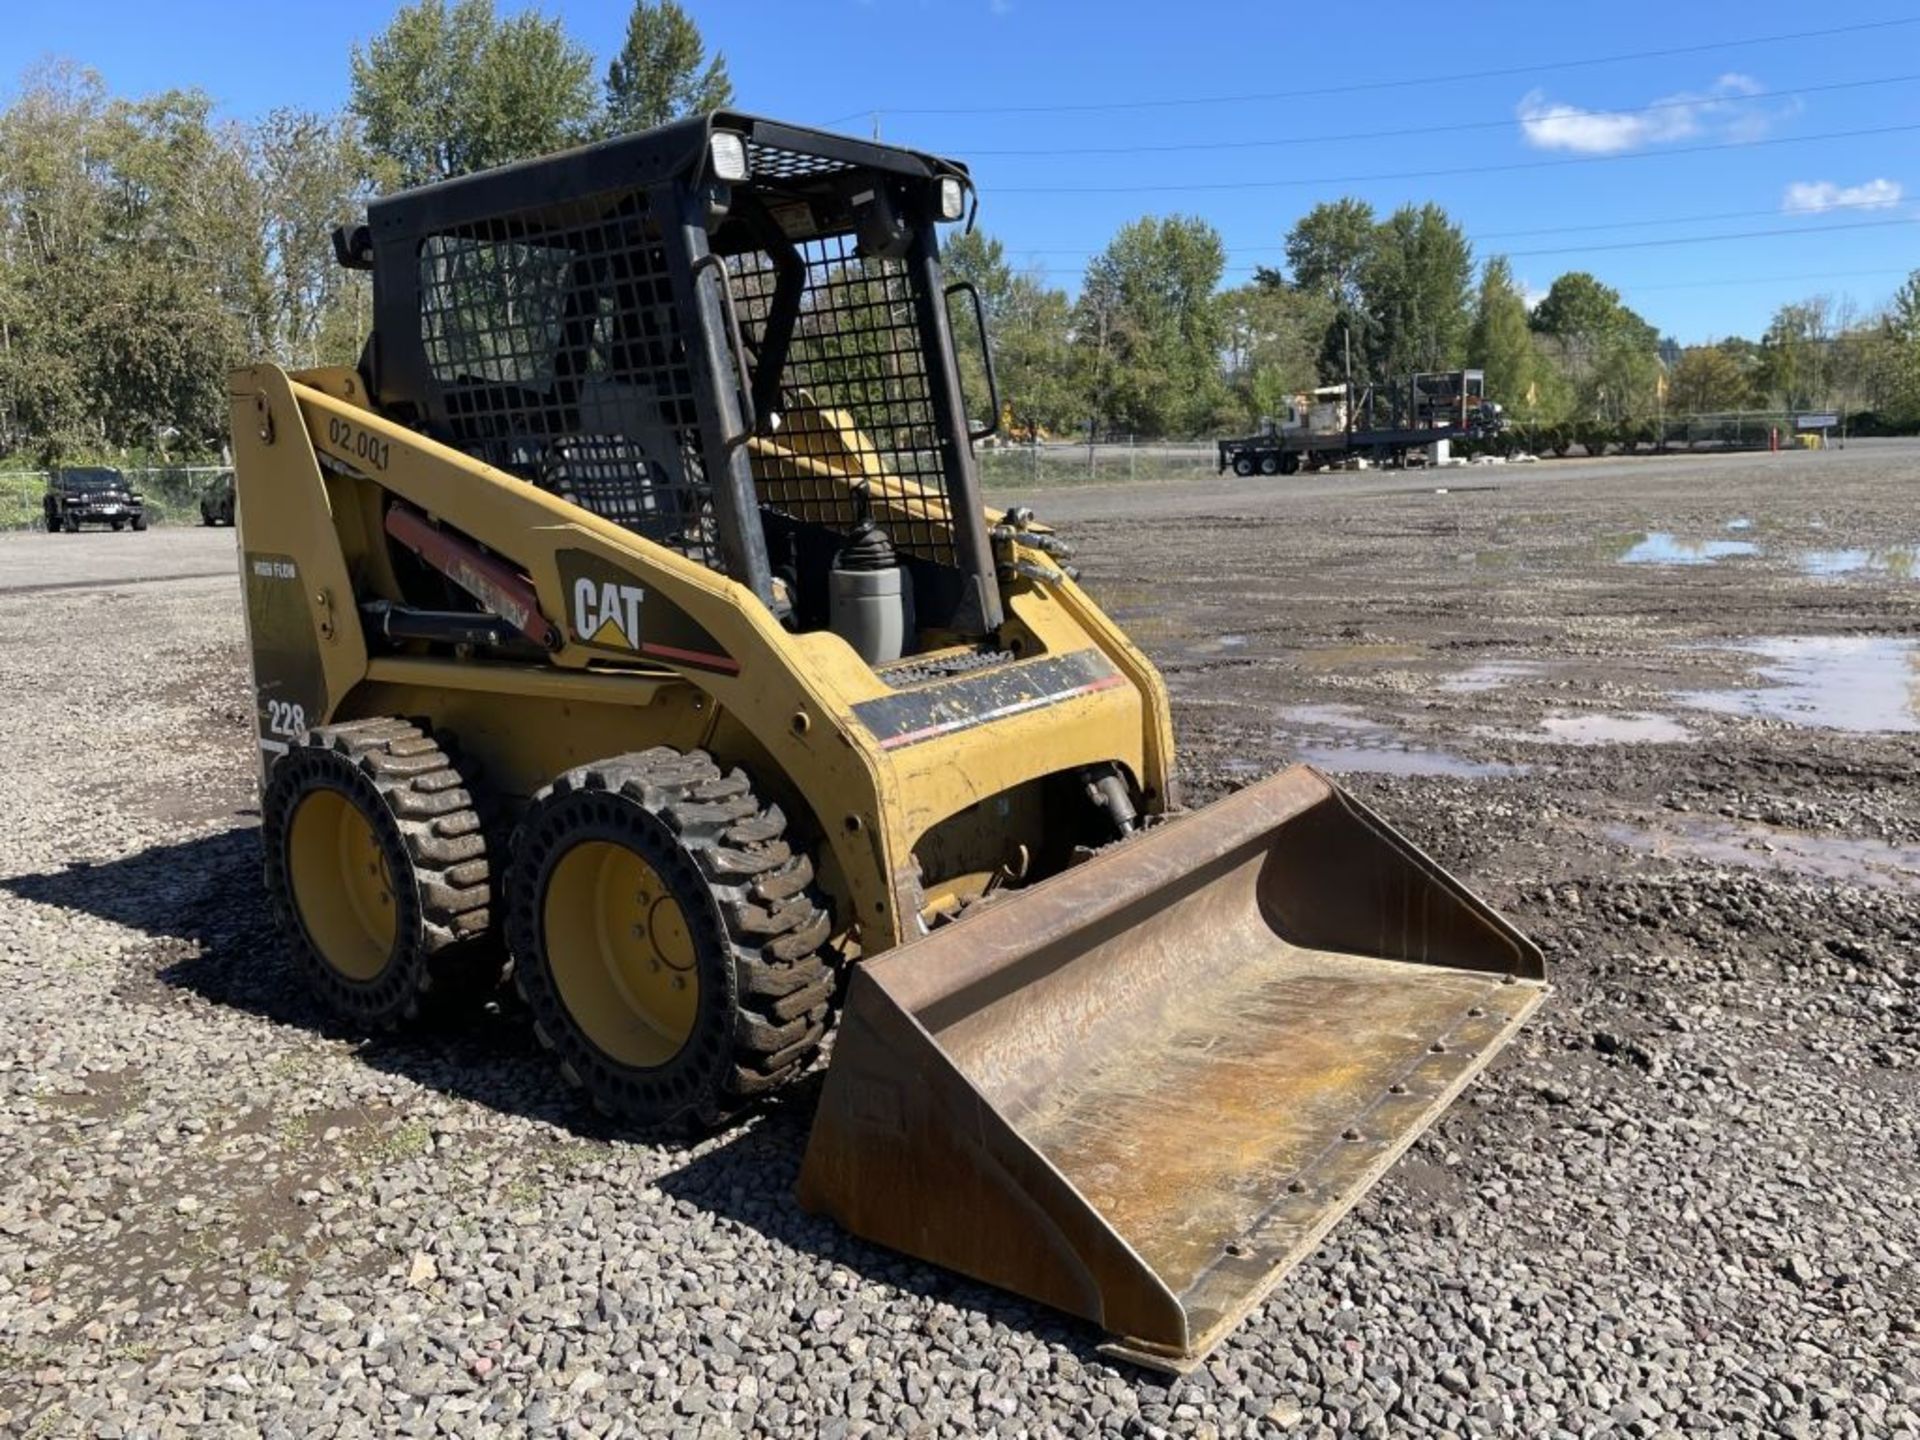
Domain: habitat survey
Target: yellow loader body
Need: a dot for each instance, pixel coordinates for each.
(632, 611)
(877, 768)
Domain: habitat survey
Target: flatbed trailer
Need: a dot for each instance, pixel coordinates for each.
(1287, 452)
(1430, 408)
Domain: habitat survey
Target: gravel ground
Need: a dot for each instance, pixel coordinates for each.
(1683, 1203)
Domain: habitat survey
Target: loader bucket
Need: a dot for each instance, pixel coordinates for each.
(1144, 1089)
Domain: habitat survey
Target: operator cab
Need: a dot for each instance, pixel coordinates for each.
(727, 335)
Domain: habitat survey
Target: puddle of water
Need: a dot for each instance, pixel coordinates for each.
(1367, 746)
(1862, 683)
(1224, 642)
(1661, 547)
(1638, 728)
(1898, 563)
(1492, 674)
(1740, 522)
(1767, 847)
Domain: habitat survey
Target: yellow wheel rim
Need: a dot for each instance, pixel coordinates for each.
(621, 954)
(341, 885)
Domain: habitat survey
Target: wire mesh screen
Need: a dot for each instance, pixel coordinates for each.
(556, 352)
(772, 162)
(855, 397)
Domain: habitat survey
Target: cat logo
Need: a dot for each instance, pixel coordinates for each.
(604, 608)
(607, 613)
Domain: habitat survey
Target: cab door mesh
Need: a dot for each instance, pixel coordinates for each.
(855, 380)
(555, 350)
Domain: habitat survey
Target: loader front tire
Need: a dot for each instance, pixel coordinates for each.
(667, 938)
(377, 867)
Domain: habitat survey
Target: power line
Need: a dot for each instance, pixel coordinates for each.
(1401, 133)
(1679, 220)
(1506, 71)
(1481, 169)
(1708, 239)
(1485, 235)
(1765, 280)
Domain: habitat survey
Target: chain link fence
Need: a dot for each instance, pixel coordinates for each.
(1112, 462)
(172, 494)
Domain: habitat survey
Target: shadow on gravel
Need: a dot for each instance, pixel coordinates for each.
(211, 935)
(748, 1178)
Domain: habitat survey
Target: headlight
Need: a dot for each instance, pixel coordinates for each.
(728, 153)
(953, 198)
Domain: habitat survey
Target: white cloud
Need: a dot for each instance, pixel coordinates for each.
(1716, 112)
(1810, 197)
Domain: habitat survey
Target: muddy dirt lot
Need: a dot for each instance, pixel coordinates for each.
(1661, 713)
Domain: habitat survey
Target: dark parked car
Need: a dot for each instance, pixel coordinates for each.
(92, 495)
(216, 501)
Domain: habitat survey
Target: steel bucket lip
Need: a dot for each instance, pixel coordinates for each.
(902, 1002)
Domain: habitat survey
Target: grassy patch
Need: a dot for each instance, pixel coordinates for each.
(404, 1142)
(20, 494)
(522, 1192)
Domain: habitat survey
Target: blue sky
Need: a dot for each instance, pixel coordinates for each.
(1598, 166)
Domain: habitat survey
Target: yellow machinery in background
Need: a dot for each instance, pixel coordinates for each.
(631, 611)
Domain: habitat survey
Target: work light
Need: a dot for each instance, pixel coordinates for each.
(729, 155)
(953, 198)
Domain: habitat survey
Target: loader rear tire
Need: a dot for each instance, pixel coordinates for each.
(667, 938)
(377, 866)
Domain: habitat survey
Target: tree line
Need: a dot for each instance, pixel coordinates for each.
(148, 247)
(1156, 345)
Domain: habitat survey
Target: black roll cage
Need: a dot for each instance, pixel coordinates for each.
(702, 220)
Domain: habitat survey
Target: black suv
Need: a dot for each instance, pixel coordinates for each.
(92, 495)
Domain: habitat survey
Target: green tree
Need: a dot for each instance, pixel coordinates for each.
(1033, 360)
(1793, 354)
(1623, 384)
(981, 261)
(131, 279)
(310, 174)
(1328, 247)
(1501, 342)
(1581, 311)
(662, 71)
(1273, 339)
(1148, 328)
(1709, 379)
(1902, 327)
(445, 90)
(1416, 284)
(1605, 354)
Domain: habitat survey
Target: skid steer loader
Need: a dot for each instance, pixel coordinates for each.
(631, 610)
